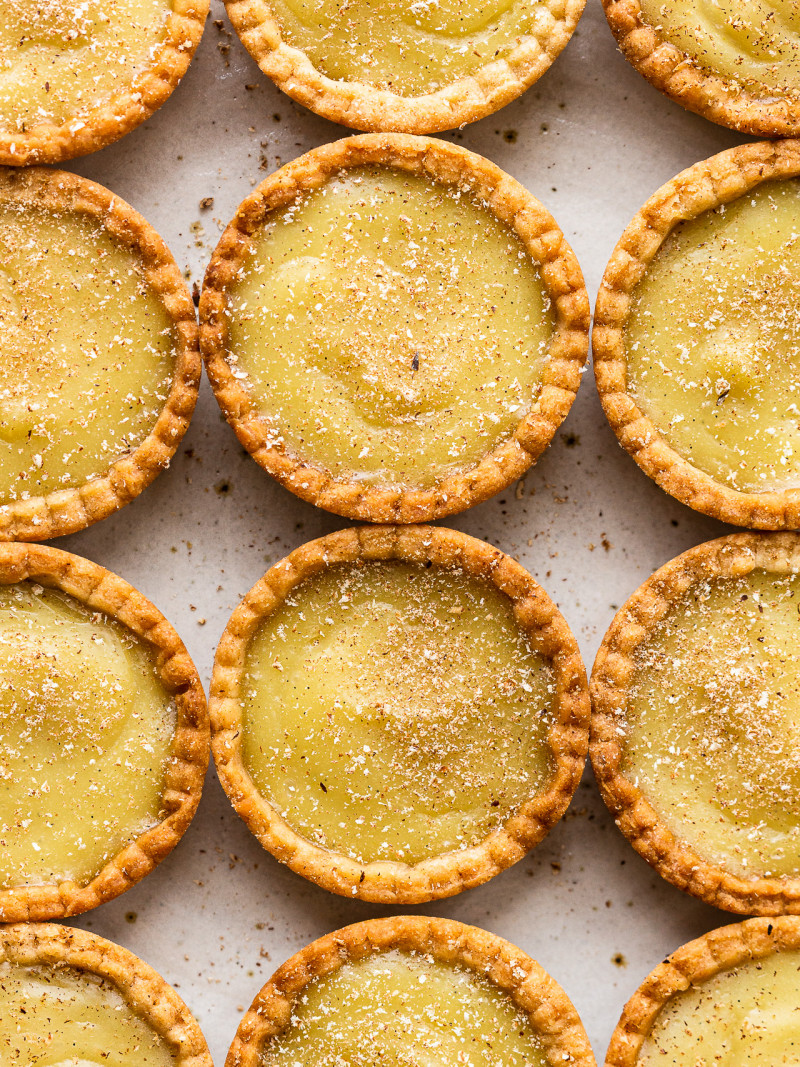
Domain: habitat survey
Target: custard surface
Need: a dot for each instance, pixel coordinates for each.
(713, 340)
(85, 734)
(396, 713)
(390, 329)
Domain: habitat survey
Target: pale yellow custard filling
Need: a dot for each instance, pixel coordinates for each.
(390, 328)
(713, 340)
(409, 48)
(62, 1017)
(87, 351)
(748, 1016)
(402, 1010)
(755, 43)
(713, 723)
(396, 713)
(60, 59)
(85, 735)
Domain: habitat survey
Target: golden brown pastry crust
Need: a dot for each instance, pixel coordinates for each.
(452, 872)
(103, 591)
(156, 1002)
(363, 107)
(612, 674)
(691, 965)
(561, 375)
(714, 181)
(538, 996)
(48, 142)
(683, 80)
(68, 510)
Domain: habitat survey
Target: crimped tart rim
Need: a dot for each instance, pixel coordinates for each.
(512, 204)
(49, 142)
(718, 180)
(143, 989)
(680, 77)
(691, 965)
(614, 668)
(364, 107)
(66, 511)
(549, 1010)
(451, 872)
(103, 591)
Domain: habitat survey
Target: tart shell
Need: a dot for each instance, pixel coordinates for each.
(48, 142)
(105, 592)
(66, 511)
(547, 1007)
(364, 107)
(684, 81)
(156, 1002)
(512, 204)
(445, 875)
(678, 863)
(691, 965)
(706, 185)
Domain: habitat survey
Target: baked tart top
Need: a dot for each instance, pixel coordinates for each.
(728, 997)
(393, 327)
(71, 999)
(410, 990)
(103, 735)
(74, 77)
(399, 712)
(410, 68)
(696, 690)
(99, 364)
(736, 62)
(697, 338)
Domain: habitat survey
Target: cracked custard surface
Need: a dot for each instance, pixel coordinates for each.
(60, 59)
(85, 735)
(713, 723)
(748, 1016)
(87, 351)
(62, 1017)
(713, 340)
(395, 713)
(409, 48)
(399, 1009)
(755, 43)
(389, 328)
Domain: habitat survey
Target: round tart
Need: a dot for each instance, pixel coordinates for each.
(394, 327)
(735, 63)
(411, 990)
(728, 997)
(412, 68)
(103, 735)
(72, 999)
(697, 337)
(74, 77)
(99, 363)
(399, 713)
(695, 727)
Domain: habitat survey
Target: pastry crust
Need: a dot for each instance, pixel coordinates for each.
(364, 107)
(48, 142)
(452, 872)
(50, 946)
(691, 965)
(613, 671)
(682, 79)
(65, 511)
(103, 591)
(718, 180)
(538, 996)
(512, 204)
